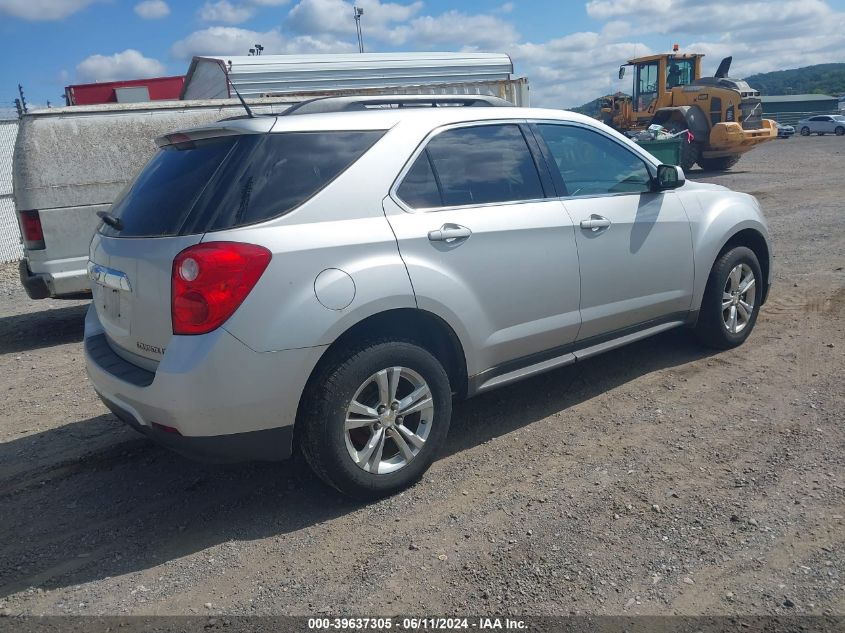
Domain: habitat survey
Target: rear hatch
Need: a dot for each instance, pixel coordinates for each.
(196, 183)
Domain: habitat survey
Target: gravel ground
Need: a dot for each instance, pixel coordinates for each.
(657, 479)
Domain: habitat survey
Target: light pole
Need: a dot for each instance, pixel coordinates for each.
(358, 12)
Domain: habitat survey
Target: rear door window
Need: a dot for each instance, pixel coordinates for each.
(195, 187)
(472, 166)
(419, 189)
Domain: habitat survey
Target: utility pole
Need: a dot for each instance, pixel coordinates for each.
(22, 105)
(358, 12)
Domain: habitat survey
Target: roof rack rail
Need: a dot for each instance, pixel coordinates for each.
(322, 105)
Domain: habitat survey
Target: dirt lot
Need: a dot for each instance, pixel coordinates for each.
(657, 479)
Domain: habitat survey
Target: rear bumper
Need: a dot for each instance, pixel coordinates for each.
(267, 445)
(58, 283)
(35, 285)
(224, 401)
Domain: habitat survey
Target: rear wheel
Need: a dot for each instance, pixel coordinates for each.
(719, 164)
(805, 131)
(689, 154)
(373, 420)
(731, 300)
(839, 131)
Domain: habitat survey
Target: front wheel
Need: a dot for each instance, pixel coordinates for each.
(731, 300)
(839, 131)
(805, 131)
(689, 154)
(374, 418)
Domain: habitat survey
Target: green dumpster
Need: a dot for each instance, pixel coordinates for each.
(667, 151)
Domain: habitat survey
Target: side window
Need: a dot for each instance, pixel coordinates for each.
(715, 110)
(473, 165)
(591, 164)
(419, 188)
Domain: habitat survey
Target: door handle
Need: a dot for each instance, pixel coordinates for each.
(449, 232)
(595, 223)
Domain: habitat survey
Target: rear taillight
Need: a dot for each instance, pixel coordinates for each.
(209, 282)
(33, 235)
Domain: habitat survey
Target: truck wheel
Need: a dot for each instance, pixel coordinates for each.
(373, 419)
(719, 164)
(805, 131)
(689, 154)
(839, 131)
(731, 299)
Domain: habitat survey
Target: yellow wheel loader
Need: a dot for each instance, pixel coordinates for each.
(724, 115)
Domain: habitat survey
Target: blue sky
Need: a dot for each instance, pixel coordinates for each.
(569, 50)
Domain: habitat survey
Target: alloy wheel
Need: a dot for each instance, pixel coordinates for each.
(389, 420)
(738, 298)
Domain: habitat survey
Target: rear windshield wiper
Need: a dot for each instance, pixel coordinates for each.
(112, 221)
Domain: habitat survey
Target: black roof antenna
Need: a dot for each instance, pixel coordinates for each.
(243, 103)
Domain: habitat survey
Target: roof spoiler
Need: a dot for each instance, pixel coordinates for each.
(245, 125)
(322, 105)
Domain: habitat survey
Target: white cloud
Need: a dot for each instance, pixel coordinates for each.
(565, 71)
(761, 36)
(453, 29)
(335, 16)
(152, 9)
(129, 64)
(229, 40)
(224, 11)
(43, 9)
(604, 9)
(401, 25)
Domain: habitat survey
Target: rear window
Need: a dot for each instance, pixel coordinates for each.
(221, 183)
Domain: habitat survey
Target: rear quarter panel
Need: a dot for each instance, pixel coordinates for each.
(342, 227)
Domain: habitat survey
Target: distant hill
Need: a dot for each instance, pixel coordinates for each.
(826, 79)
(591, 108)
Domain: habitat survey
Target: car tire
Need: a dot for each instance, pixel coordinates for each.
(719, 164)
(334, 424)
(839, 131)
(724, 320)
(805, 131)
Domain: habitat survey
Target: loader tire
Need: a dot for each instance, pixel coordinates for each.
(689, 155)
(719, 164)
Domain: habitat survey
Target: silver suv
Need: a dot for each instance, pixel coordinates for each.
(329, 279)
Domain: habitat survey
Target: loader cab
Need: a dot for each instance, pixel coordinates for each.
(656, 75)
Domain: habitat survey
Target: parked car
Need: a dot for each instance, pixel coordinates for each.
(785, 131)
(332, 280)
(823, 124)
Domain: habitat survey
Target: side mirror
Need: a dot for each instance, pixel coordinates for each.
(621, 72)
(668, 177)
